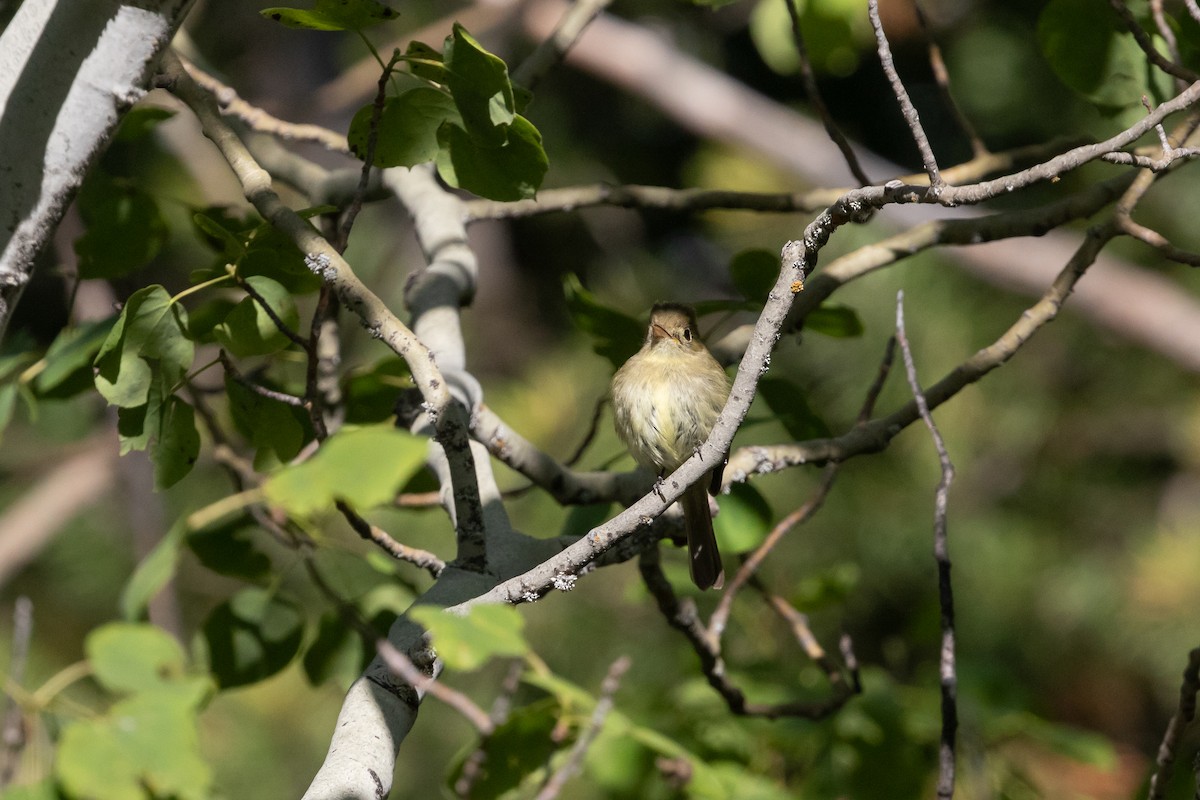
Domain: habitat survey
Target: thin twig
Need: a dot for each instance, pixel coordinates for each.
(1164, 29)
(403, 667)
(941, 77)
(401, 552)
(906, 106)
(797, 621)
(588, 437)
(947, 670)
(818, 101)
(360, 192)
(682, 615)
(748, 567)
(1183, 717)
(472, 768)
(282, 326)
(557, 780)
(1158, 242)
(399, 664)
(1152, 55)
(271, 394)
(257, 119)
(12, 735)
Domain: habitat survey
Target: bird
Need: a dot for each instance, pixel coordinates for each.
(666, 399)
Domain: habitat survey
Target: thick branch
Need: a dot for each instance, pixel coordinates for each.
(69, 69)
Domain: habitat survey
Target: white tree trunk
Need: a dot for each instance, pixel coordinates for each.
(68, 70)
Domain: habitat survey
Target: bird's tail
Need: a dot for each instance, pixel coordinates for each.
(703, 556)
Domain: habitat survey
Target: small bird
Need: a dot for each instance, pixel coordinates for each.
(666, 399)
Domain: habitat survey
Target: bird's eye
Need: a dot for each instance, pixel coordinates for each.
(687, 334)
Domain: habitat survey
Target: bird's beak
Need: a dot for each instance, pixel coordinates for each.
(658, 331)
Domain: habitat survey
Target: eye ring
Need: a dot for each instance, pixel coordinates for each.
(687, 334)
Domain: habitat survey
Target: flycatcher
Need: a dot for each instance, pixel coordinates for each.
(666, 399)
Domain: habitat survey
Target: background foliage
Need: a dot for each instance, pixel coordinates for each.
(1074, 520)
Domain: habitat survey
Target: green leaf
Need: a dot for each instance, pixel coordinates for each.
(152, 573)
(754, 273)
(140, 121)
(177, 445)
(223, 231)
(425, 62)
(704, 783)
(333, 15)
(615, 335)
(834, 320)
(147, 746)
(249, 330)
(790, 406)
(836, 32)
(337, 654)
(92, 761)
(67, 366)
(745, 519)
(272, 254)
(829, 587)
(42, 790)
(227, 549)
(371, 396)
(270, 425)
(125, 230)
(519, 747)
(363, 466)
(128, 657)
(481, 89)
(252, 636)
(8, 404)
(407, 132)
(468, 642)
(147, 338)
(1100, 59)
(511, 171)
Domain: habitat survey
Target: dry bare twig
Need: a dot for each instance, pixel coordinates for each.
(947, 670)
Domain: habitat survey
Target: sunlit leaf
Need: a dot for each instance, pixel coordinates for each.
(407, 131)
(127, 657)
(152, 573)
(250, 330)
(148, 336)
(333, 15)
(481, 89)
(744, 521)
(469, 641)
(363, 466)
(146, 746)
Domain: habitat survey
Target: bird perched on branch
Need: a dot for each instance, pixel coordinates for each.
(666, 399)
